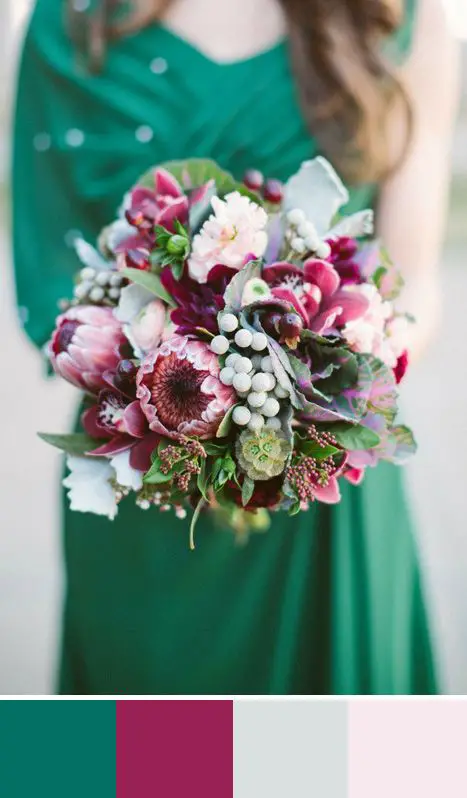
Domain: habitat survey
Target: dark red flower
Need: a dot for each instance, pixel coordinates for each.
(316, 293)
(198, 303)
(343, 251)
(266, 494)
(401, 366)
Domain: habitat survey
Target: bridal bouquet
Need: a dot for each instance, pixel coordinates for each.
(237, 346)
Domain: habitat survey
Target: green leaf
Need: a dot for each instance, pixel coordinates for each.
(344, 374)
(309, 335)
(77, 443)
(247, 490)
(378, 275)
(226, 423)
(405, 444)
(162, 235)
(383, 394)
(203, 331)
(294, 509)
(203, 480)
(354, 436)
(150, 281)
(300, 369)
(289, 491)
(155, 476)
(282, 370)
(311, 449)
(234, 292)
(177, 267)
(214, 448)
(194, 520)
(201, 210)
(224, 469)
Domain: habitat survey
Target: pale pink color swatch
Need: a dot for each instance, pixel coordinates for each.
(407, 749)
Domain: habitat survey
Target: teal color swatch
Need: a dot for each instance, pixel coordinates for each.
(57, 749)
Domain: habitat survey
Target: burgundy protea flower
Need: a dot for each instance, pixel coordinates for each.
(179, 389)
(86, 344)
(316, 293)
(198, 303)
(342, 257)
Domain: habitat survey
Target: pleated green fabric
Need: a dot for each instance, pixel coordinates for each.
(326, 602)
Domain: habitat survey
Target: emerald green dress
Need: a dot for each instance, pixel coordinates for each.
(326, 602)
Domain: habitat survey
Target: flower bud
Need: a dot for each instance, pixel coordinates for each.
(177, 245)
(290, 327)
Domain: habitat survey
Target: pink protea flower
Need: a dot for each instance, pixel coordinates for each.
(179, 389)
(316, 293)
(85, 345)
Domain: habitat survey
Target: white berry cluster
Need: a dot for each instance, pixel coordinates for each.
(251, 375)
(98, 285)
(303, 237)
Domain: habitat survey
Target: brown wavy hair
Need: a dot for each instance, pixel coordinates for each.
(347, 89)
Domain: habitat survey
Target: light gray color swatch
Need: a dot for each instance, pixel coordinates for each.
(290, 749)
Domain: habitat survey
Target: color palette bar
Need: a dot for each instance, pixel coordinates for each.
(408, 749)
(241, 749)
(174, 748)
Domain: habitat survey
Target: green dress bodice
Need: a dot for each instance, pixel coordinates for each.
(327, 602)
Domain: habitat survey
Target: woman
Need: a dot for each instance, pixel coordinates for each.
(329, 602)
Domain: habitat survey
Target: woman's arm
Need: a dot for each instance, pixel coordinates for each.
(413, 201)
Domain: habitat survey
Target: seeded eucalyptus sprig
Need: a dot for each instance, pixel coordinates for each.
(172, 249)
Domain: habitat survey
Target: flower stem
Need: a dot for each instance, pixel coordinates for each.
(194, 520)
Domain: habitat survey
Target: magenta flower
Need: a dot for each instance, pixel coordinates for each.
(354, 475)
(114, 414)
(162, 205)
(342, 257)
(198, 303)
(179, 389)
(85, 344)
(122, 425)
(159, 205)
(313, 484)
(316, 293)
(401, 366)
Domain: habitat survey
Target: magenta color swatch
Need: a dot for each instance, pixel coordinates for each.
(407, 749)
(174, 749)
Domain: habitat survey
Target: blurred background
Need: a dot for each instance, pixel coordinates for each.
(30, 562)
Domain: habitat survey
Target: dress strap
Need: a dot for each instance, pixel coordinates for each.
(399, 46)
